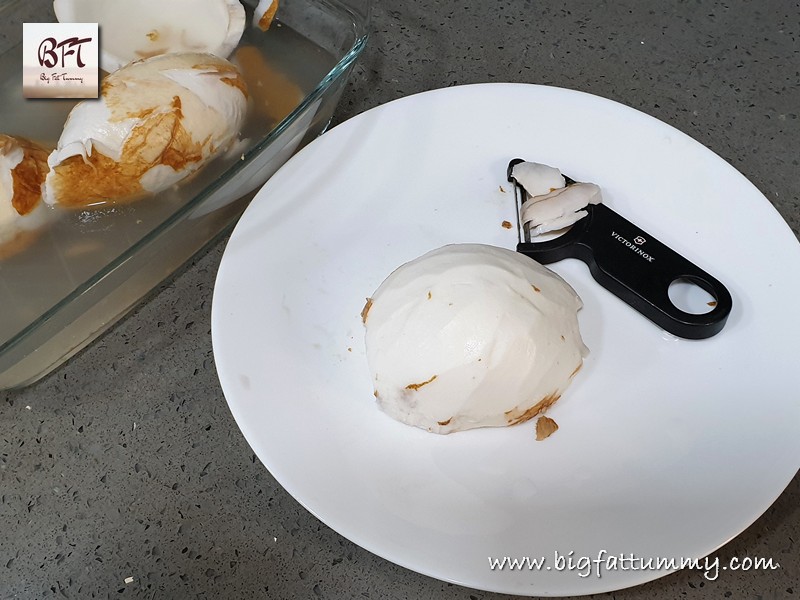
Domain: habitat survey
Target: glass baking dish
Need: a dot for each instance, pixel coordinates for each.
(86, 268)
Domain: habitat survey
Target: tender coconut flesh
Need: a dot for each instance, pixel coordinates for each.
(550, 205)
(135, 29)
(157, 121)
(470, 335)
(22, 170)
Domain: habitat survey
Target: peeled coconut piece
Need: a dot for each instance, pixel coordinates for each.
(552, 204)
(559, 208)
(157, 121)
(23, 167)
(470, 335)
(538, 179)
(135, 29)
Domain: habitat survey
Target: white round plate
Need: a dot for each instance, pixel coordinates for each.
(667, 448)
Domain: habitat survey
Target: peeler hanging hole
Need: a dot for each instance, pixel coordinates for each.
(689, 297)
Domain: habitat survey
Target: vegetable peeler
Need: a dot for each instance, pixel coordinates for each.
(631, 264)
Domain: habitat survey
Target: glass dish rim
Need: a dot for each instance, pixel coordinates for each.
(360, 25)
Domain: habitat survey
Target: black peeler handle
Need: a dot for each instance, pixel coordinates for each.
(636, 267)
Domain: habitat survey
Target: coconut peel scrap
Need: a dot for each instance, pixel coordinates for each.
(552, 204)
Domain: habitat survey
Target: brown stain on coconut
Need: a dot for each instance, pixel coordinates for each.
(365, 310)
(515, 416)
(266, 19)
(416, 386)
(160, 139)
(28, 176)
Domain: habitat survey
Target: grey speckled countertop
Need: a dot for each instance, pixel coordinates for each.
(180, 504)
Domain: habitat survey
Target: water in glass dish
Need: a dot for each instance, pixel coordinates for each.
(76, 246)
